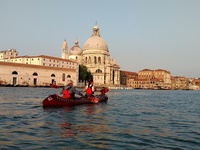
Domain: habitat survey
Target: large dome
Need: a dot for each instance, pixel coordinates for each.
(75, 50)
(95, 41)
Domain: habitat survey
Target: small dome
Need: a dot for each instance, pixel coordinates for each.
(75, 50)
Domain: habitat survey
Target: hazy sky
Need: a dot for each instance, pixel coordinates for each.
(153, 34)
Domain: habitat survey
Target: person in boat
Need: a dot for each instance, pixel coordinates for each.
(89, 89)
(65, 93)
(104, 90)
(71, 89)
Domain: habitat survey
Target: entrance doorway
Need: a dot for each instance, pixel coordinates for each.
(35, 81)
(14, 80)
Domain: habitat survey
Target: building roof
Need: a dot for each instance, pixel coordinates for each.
(35, 66)
(45, 56)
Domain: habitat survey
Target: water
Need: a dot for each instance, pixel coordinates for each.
(131, 119)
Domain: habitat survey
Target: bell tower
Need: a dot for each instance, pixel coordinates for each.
(65, 54)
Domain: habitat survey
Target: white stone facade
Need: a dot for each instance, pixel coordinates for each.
(96, 57)
(43, 60)
(35, 75)
(10, 53)
(39, 70)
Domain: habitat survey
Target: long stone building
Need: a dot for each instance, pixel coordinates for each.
(39, 70)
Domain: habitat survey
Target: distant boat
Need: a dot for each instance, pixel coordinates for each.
(54, 86)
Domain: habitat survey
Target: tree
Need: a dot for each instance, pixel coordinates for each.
(89, 76)
(84, 74)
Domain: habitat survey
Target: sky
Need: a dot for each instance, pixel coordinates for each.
(140, 34)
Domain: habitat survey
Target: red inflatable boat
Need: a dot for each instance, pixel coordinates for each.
(57, 101)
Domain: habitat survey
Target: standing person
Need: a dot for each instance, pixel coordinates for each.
(71, 89)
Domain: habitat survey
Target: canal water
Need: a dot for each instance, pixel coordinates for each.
(131, 119)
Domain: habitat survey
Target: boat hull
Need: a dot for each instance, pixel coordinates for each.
(57, 101)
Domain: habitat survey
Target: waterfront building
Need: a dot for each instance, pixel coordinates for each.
(159, 77)
(96, 57)
(10, 53)
(43, 60)
(145, 83)
(196, 81)
(147, 79)
(39, 70)
(126, 78)
(194, 84)
(179, 82)
(159, 74)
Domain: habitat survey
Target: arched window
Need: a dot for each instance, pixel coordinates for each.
(89, 60)
(86, 60)
(35, 74)
(14, 72)
(98, 71)
(68, 76)
(95, 60)
(99, 60)
(53, 75)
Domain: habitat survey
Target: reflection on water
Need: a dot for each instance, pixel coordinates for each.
(131, 119)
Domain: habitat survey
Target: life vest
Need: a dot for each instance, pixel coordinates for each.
(89, 90)
(65, 94)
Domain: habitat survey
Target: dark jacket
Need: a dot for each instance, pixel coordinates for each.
(72, 91)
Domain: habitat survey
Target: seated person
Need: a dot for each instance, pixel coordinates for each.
(89, 89)
(71, 89)
(65, 93)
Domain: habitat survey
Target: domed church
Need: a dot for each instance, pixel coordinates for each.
(95, 55)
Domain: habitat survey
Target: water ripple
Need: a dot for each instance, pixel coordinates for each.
(131, 119)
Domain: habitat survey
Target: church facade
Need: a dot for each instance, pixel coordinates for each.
(96, 57)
